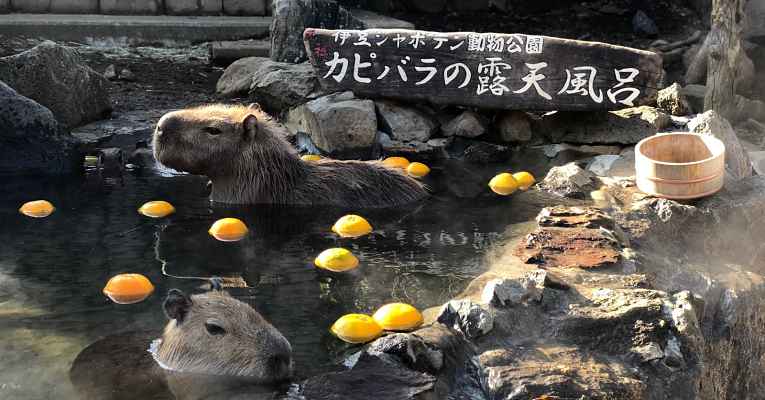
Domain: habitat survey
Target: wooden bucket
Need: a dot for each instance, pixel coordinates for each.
(680, 166)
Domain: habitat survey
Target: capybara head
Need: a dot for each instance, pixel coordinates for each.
(214, 333)
(211, 140)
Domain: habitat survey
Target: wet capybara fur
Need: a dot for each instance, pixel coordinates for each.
(213, 342)
(248, 160)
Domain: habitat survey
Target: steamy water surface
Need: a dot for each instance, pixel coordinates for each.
(52, 270)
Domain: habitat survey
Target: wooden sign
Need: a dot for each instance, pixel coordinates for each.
(489, 70)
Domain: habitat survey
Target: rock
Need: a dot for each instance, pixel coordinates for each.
(673, 356)
(573, 247)
(468, 124)
(244, 7)
(467, 317)
(755, 29)
(275, 86)
(601, 165)
(681, 311)
(31, 6)
(643, 25)
(405, 123)
(737, 162)
(413, 352)
(142, 156)
(434, 149)
(569, 180)
(627, 126)
(291, 17)
(514, 292)
(30, 139)
(370, 378)
(651, 351)
(672, 100)
(484, 153)
(110, 72)
(120, 127)
(758, 161)
(624, 166)
(57, 78)
(127, 75)
(130, 7)
(72, 6)
(514, 126)
(339, 124)
(694, 94)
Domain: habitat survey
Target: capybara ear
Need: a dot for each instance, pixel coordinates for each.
(255, 106)
(177, 305)
(250, 124)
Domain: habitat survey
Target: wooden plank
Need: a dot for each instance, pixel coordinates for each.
(488, 70)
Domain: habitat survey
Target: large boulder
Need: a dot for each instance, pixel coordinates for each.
(275, 86)
(737, 162)
(291, 17)
(405, 123)
(569, 180)
(30, 139)
(56, 77)
(627, 126)
(514, 126)
(672, 100)
(339, 124)
(468, 124)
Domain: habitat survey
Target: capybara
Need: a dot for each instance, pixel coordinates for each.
(212, 338)
(247, 158)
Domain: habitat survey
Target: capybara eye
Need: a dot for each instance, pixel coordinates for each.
(214, 329)
(211, 130)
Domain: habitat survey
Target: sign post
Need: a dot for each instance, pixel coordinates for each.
(488, 70)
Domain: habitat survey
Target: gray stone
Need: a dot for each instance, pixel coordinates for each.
(30, 6)
(625, 165)
(672, 100)
(627, 126)
(244, 7)
(569, 180)
(405, 123)
(737, 162)
(412, 150)
(758, 161)
(5, 6)
(681, 311)
(110, 72)
(56, 77)
(694, 94)
(339, 124)
(275, 86)
(127, 75)
(673, 356)
(642, 24)
(413, 352)
(512, 292)
(755, 12)
(213, 7)
(514, 126)
(30, 139)
(649, 352)
(74, 6)
(467, 317)
(122, 7)
(468, 124)
(181, 7)
(578, 151)
(601, 165)
(291, 17)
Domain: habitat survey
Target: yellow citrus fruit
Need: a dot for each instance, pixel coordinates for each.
(37, 209)
(356, 328)
(228, 230)
(417, 170)
(503, 184)
(398, 317)
(128, 288)
(351, 226)
(157, 209)
(336, 260)
(310, 157)
(525, 180)
(396, 162)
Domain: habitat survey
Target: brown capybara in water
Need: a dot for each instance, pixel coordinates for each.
(212, 342)
(245, 155)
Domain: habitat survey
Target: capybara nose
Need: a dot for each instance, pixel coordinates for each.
(167, 124)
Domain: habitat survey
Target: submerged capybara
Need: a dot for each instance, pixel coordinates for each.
(246, 157)
(213, 341)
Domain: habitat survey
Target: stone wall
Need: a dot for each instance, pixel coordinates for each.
(139, 7)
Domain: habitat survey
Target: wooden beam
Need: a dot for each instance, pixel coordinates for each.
(488, 70)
